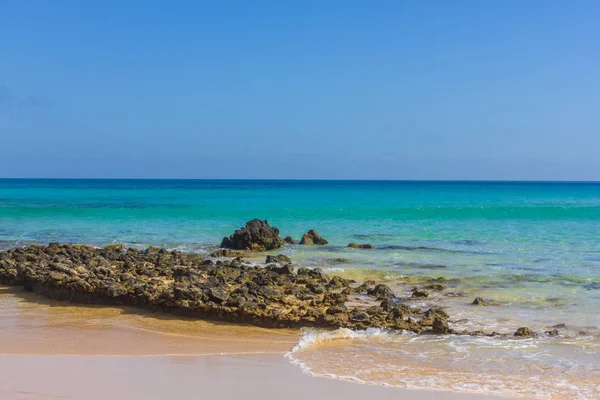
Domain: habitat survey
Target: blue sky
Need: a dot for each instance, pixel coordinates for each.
(300, 89)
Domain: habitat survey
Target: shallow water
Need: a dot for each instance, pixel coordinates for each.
(531, 248)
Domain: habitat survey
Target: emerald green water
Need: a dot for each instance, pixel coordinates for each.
(532, 247)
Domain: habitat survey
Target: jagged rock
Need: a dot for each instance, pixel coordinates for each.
(289, 240)
(381, 292)
(353, 245)
(480, 302)
(525, 332)
(312, 237)
(553, 332)
(257, 235)
(279, 259)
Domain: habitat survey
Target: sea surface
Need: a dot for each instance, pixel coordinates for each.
(531, 248)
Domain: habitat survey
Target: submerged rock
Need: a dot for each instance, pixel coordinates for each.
(553, 332)
(353, 245)
(312, 237)
(525, 332)
(480, 302)
(257, 235)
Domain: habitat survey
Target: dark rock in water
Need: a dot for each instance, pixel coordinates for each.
(480, 302)
(360, 246)
(289, 240)
(525, 332)
(152, 249)
(279, 259)
(257, 235)
(222, 253)
(417, 293)
(553, 332)
(381, 292)
(435, 286)
(432, 314)
(560, 326)
(440, 326)
(312, 237)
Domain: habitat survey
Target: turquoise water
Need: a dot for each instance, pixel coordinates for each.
(533, 248)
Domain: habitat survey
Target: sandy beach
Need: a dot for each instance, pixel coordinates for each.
(56, 350)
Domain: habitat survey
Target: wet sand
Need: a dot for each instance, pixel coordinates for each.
(257, 376)
(56, 350)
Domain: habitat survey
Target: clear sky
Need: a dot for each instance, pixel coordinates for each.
(300, 89)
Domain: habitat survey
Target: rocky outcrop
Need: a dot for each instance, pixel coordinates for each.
(312, 237)
(257, 235)
(190, 285)
(289, 240)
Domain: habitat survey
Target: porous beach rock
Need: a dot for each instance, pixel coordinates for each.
(227, 290)
(525, 332)
(257, 235)
(312, 237)
(353, 245)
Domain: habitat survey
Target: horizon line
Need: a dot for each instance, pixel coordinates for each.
(310, 180)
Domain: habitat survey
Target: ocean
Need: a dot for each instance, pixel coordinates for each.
(531, 248)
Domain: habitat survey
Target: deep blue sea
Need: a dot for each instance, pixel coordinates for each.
(531, 247)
